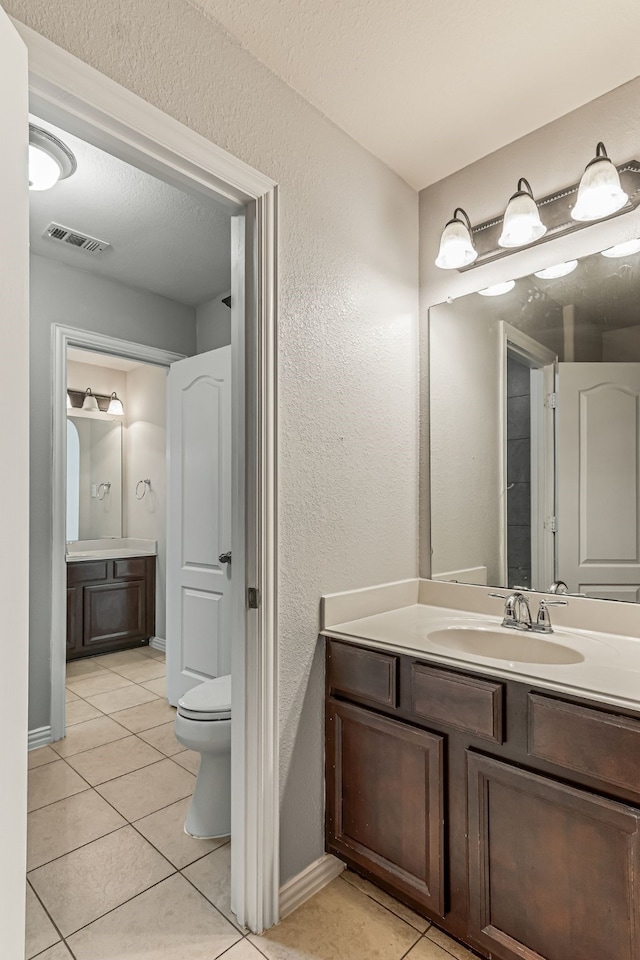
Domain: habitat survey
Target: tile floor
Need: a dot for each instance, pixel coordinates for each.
(111, 875)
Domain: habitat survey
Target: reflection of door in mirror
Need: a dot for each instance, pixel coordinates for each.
(73, 482)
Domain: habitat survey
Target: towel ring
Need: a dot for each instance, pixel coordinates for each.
(104, 487)
(146, 484)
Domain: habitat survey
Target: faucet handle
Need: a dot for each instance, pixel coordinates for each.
(498, 596)
(543, 621)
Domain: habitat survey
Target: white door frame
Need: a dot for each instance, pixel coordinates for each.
(88, 103)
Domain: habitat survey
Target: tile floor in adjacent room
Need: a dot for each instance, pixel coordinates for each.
(111, 874)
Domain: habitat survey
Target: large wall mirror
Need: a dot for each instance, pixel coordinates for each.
(94, 478)
(534, 416)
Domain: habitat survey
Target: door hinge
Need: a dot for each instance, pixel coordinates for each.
(551, 400)
(551, 524)
(253, 598)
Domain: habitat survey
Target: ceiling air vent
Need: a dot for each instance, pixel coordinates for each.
(82, 241)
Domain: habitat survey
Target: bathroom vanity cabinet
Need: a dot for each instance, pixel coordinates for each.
(507, 814)
(110, 604)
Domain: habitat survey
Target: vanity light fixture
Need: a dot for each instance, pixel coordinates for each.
(522, 224)
(69, 404)
(456, 246)
(115, 405)
(497, 289)
(50, 159)
(559, 270)
(599, 193)
(90, 402)
(625, 249)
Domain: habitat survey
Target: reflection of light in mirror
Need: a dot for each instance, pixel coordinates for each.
(559, 270)
(497, 289)
(622, 249)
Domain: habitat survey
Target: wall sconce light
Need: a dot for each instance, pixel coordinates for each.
(456, 246)
(625, 249)
(69, 404)
(497, 289)
(522, 223)
(90, 402)
(115, 405)
(558, 270)
(599, 193)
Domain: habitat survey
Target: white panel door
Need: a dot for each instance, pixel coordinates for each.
(14, 484)
(199, 583)
(598, 478)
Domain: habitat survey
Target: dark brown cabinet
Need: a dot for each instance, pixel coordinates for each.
(110, 605)
(505, 814)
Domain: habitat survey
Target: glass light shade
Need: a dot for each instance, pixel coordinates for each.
(599, 193)
(456, 246)
(115, 406)
(622, 249)
(497, 289)
(558, 270)
(522, 223)
(69, 404)
(90, 402)
(44, 170)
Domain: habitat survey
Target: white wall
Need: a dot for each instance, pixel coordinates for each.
(621, 346)
(551, 158)
(102, 380)
(76, 298)
(213, 323)
(146, 458)
(348, 235)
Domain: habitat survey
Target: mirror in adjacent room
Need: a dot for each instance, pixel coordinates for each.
(534, 421)
(94, 478)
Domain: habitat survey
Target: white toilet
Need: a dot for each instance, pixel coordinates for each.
(203, 723)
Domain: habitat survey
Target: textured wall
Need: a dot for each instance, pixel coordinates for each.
(347, 335)
(552, 157)
(75, 298)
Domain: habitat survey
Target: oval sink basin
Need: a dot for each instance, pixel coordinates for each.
(519, 647)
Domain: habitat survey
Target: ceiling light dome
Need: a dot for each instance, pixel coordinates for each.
(599, 193)
(456, 246)
(497, 289)
(558, 270)
(522, 223)
(625, 249)
(50, 159)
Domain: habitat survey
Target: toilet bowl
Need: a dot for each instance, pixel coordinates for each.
(203, 723)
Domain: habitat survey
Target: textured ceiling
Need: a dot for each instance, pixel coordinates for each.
(164, 240)
(429, 86)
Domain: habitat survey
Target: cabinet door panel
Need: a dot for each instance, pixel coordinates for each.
(552, 869)
(385, 800)
(74, 621)
(114, 612)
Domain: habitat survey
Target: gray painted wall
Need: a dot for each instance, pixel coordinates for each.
(62, 294)
(213, 324)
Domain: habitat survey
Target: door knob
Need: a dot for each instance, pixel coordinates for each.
(225, 557)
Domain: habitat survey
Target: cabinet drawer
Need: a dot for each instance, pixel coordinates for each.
(366, 674)
(465, 703)
(131, 567)
(87, 571)
(591, 742)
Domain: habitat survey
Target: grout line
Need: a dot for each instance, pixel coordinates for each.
(40, 901)
(385, 907)
(209, 901)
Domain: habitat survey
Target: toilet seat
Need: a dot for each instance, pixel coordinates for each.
(210, 700)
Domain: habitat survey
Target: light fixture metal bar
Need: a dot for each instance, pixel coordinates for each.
(555, 212)
(77, 399)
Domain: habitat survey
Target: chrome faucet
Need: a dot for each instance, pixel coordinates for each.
(543, 620)
(517, 615)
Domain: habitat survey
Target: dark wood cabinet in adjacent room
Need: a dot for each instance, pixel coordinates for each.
(110, 605)
(506, 814)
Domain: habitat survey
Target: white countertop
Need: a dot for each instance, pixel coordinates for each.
(110, 549)
(609, 672)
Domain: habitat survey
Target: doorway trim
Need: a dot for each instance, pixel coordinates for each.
(89, 104)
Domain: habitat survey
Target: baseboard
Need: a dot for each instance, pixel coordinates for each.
(312, 879)
(158, 644)
(39, 737)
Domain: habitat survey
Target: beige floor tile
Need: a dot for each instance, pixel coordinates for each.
(153, 653)
(212, 877)
(115, 700)
(40, 932)
(110, 660)
(91, 686)
(70, 696)
(426, 949)
(91, 733)
(158, 687)
(165, 830)
(83, 668)
(79, 711)
(52, 782)
(144, 791)
(190, 760)
(59, 952)
(243, 950)
(338, 922)
(37, 758)
(146, 668)
(87, 883)
(68, 824)
(146, 716)
(449, 944)
(400, 910)
(163, 738)
(170, 922)
(114, 760)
